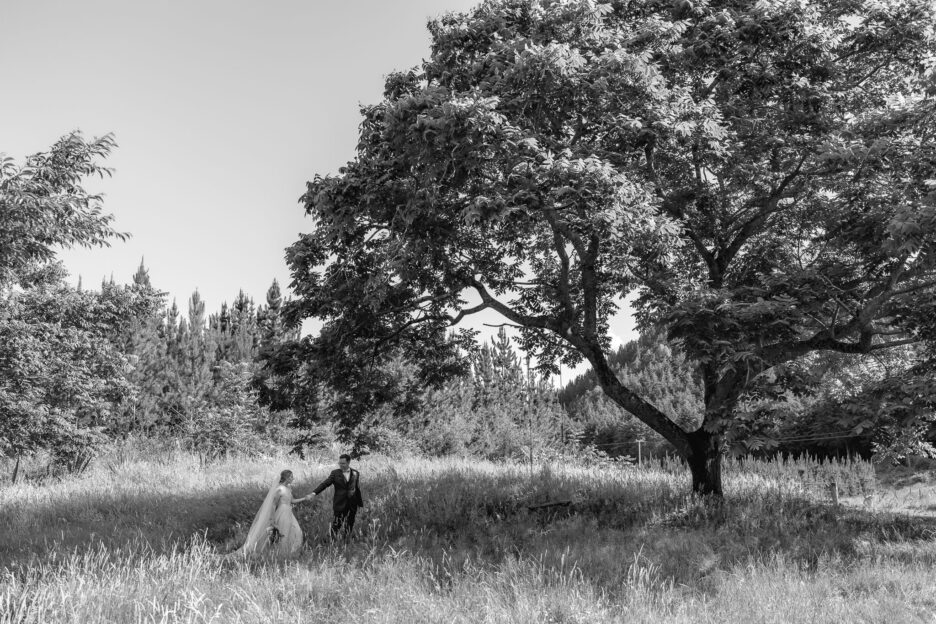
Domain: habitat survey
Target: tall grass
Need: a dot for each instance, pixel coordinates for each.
(143, 537)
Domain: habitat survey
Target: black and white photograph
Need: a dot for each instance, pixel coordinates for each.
(467, 311)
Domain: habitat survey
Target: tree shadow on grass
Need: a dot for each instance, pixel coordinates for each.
(159, 521)
(684, 543)
(699, 537)
(681, 538)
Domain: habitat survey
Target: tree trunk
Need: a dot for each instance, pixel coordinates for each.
(16, 469)
(705, 460)
(700, 449)
(644, 411)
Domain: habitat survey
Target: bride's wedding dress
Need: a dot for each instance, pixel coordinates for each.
(275, 530)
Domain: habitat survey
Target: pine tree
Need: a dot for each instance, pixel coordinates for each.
(236, 330)
(276, 389)
(497, 411)
(197, 353)
(270, 318)
(190, 357)
(142, 341)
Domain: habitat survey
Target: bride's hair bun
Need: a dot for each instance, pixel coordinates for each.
(285, 475)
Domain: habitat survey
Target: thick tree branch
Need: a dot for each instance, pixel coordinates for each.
(417, 303)
(751, 226)
(563, 285)
(893, 343)
(890, 332)
(422, 318)
(857, 83)
(541, 322)
(590, 348)
(675, 206)
(565, 230)
(590, 288)
(626, 398)
(915, 288)
(880, 296)
(463, 313)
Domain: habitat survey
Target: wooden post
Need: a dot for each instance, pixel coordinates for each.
(639, 451)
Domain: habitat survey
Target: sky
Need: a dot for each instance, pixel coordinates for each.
(221, 109)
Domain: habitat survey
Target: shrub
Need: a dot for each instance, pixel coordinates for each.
(374, 438)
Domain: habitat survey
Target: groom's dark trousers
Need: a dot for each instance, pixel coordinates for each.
(347, 499)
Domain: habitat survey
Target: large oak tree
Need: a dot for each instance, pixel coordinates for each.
(761, 175)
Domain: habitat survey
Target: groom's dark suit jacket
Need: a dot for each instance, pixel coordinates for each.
(347, 492)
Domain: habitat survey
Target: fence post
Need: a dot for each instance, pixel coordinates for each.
(834, 491)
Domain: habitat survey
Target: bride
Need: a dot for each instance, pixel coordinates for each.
(275, 529)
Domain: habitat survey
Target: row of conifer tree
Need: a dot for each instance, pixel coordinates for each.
(137, 364)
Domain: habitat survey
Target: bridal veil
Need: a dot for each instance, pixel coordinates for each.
(258, 538)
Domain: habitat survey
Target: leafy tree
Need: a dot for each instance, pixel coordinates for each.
(43, 205)
(885, 406)
(760, 173)
(64, 381)
(903, 407)
(59, 380)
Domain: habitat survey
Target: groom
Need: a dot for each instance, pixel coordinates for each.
(347, 496)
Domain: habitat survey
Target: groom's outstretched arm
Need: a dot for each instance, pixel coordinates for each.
(324, 484)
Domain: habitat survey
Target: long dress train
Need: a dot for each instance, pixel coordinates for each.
(275, 513)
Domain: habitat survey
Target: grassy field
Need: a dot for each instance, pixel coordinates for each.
(142, 537)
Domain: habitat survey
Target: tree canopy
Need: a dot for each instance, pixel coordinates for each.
(43, 205)
(59, 378)
(62, 380)
(761, 174)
